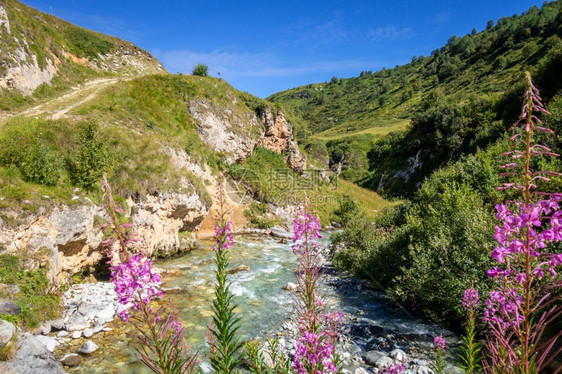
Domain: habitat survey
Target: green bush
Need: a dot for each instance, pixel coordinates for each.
(34, 300)
(91, 159)
(257, 215)
(347, 209)
(201, 70)
(43, 165)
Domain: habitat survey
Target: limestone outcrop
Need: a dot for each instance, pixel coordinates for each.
(279, 137)
(68, 239)
(237, 133)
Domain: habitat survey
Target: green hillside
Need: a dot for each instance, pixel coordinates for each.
(459, 98)
(41, 45)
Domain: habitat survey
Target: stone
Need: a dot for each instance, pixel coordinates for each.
(71, 359)
(106, 314)
(384, 362)
(363, 330)
(76, 334)
(89, 311)
(291, 286)
(360, 371)
(88, 347)
(87, 333)
(44, 328)
(11, 289)
(97, 328)
(7, 307)
(279, 232)
(57, 324)
(7, 331)
(62, 334)
(397, 355)
(49, 342)
(172, 290)
(239, 269)
(76, 322)
(32, 357)
(371, 357)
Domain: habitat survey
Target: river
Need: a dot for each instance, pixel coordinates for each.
(263, 303)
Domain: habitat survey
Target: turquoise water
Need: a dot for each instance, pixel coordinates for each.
(263, 303)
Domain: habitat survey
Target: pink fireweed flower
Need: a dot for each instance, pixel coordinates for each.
(395, 368)
(306, 228)
(439, 343)
(470, 300)
(223, 236)
(134, 280)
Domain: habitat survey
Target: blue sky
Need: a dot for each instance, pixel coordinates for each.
(263, 47)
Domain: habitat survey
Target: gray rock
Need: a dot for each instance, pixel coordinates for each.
(76, 322)
(88, 347)
(291, 286)
(384, 362)
(11, 289)
(57, 324)
(97, 328)
(398, 355)
(372, 357)
(32, 357)
(62, 334)
(71, 359)
(239, 269)
(76, 334)
(89, 311)
(50, 343)
(45, 328)
(279, 232)
(361, 371)
(87, 333)
(7, 331)
(7, 307)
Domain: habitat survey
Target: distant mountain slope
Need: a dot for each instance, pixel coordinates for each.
(462, 97)
(42, 55)
(484, 64)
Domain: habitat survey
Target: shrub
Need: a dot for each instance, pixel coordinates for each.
(91, 159)
(201, 70)
(43, 165)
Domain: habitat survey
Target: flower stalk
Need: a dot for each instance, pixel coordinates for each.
(161, 334)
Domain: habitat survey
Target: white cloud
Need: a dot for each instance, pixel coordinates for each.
(238, 65)
(388, 32)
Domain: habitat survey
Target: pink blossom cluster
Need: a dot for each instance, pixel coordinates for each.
(470, 300)
(313, 354)
(306, 228)
(395, 368)
(439, 343)
(223, 236)
(545, 215)
(135, 282)
(502, 308)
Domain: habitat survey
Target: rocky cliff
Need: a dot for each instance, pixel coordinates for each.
(68, 239)
(36, 47)
(236, 134)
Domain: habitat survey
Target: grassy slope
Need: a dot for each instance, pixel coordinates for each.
(485, 64)
(49, 37)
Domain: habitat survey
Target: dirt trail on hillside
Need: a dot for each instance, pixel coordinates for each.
(58, 107)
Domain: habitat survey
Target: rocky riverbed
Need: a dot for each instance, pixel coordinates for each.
(90, 338)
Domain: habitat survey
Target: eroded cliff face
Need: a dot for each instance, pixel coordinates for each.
(68, 239)
(279, 137)
(237, 133)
